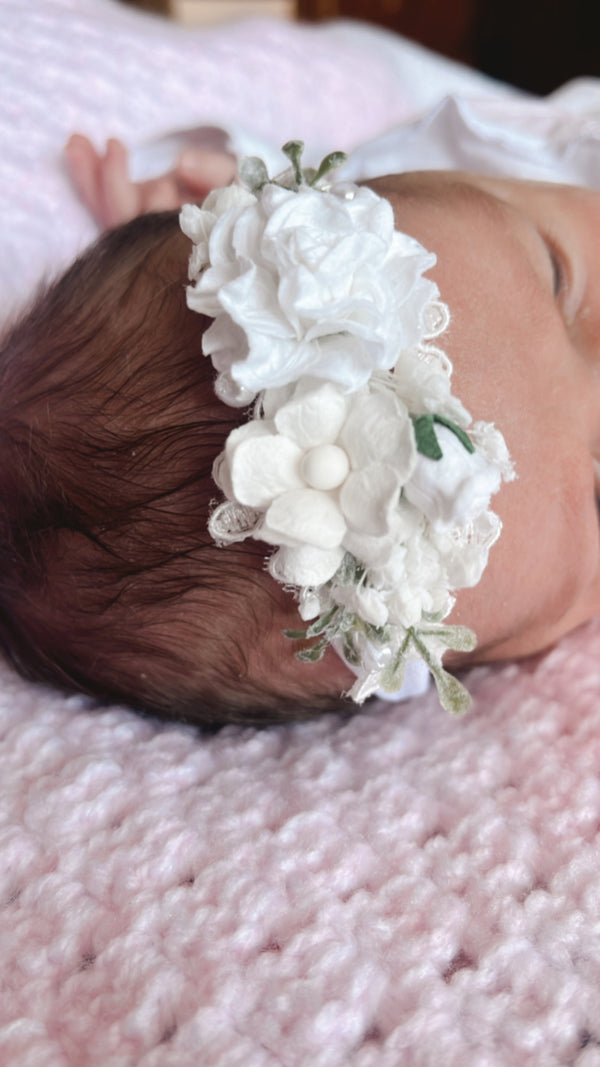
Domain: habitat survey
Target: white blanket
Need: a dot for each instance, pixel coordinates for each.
(100, 68)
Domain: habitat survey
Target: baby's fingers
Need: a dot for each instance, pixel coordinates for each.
(160, 194)
(83, 165)
(105, 187)
(102, 182)
(202, 169)
(120, 197)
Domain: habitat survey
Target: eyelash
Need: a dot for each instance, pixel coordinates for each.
(597, 485)
(558, 274)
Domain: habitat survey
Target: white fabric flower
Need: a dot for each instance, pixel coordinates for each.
(327, 469)
(454, 489)
(322, 308)
(305, 283)
(330, 473)
(492, 446)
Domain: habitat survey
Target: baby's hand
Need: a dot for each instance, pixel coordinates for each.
(103, 183)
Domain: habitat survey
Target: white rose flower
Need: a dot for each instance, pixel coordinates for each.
(454, 489)
(422, 378)
(198, 223)
(425, 589)
(306, 284)
(364, 601)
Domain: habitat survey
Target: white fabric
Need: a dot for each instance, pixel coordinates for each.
(554, 139)
(416, 679)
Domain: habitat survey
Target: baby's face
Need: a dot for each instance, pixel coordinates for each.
(518, 265)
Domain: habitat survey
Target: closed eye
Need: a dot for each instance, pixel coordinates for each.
(568, 276)
(597, 484)
(557, 266)
(557, 275)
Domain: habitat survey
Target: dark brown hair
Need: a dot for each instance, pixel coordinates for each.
(109, 583)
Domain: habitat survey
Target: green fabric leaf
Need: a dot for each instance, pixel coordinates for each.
(392, 679)
(350, 571)
(320, 625)
(311, 655)
(463, 437)
(254, 173)
(452, 694)
(458, 638)
(350, 653)
(293, 150)
(329, 163)
(425, 438)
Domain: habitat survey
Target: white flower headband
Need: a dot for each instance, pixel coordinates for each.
(356, 463)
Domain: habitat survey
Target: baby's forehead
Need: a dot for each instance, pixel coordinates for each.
(482, 240)
(447, 195)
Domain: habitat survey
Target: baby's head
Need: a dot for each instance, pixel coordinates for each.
(109, 581)
(110, 426)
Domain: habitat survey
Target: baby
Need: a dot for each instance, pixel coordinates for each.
(111, 581)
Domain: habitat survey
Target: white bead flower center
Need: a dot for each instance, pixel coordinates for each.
(325, 467)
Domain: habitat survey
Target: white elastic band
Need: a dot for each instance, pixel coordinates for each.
(416, 681)
(416, 678)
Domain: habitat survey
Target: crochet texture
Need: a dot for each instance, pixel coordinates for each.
(398, 889)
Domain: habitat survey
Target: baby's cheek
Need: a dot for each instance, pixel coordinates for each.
(543, 576)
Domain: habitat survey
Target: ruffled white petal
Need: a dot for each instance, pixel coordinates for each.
(328, 278)
(453, 489)
(366, 602)
(305, 566)
(220, 201)
(196, 223)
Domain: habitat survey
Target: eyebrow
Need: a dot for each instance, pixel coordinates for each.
(434, 187)
(497, 210)
(441, 189)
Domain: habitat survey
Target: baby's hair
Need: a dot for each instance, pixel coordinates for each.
(109, 581)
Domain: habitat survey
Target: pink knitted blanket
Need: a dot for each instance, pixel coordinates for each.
(396, 889)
